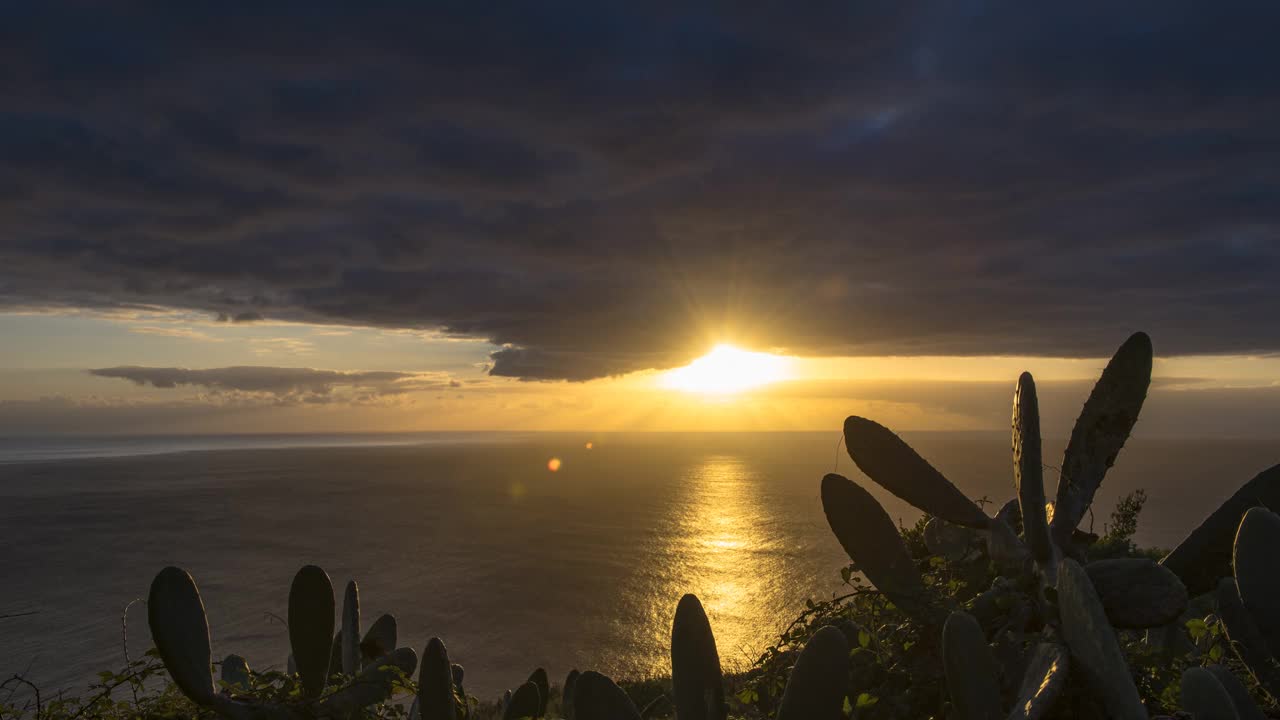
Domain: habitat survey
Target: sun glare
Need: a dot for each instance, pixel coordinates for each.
(727, 369)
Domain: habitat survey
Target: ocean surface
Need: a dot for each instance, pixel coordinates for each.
(471, 537)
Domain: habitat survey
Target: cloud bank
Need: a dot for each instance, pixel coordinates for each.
(284, 384)
(601, 188)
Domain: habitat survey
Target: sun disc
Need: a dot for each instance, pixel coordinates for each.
(727, 369)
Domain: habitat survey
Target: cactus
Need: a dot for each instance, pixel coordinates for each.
(1256, 579)
(1246, 640)
(311, 627)
(566, 700)
(1093, 644)
(1205, 697)
(870, 538)
(950, 541)
(894, 465)
(371, 686)
(1100, 432)
(1204, 556)
(816, 688)
(696, 681)
(235, 672)
(435, 683)
(380, 639)
(180, 630)
(1137, 592)
(524, 702)
(350, 632)
(970, 669)
(1246, 708)
(596, 697)
(539, 678)
(1045, 677)
(1028, 473)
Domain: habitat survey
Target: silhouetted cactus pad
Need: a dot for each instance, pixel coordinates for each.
(1100, 432)
(869, 536)
(890, 462)
(696, 680)
(539, 678)
(373, 685)
(950, 541)
(1137, 592)
(524, 702)
(349, 634)
(1257, 542)
(1246, 708)
(235, 672)
(1205, 697)
(970, 669)
(435, 683)
(816, 688)
(1205, 555)
(566, 700)
(1246, 639)
(1043, 681)
(180, 632)
(1028, 471)
(1093, 643)
(380, 638)
(596, 697)
(311, 627)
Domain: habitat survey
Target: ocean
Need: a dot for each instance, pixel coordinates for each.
(473, 538)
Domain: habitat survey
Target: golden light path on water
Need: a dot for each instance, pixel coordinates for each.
(716, 546)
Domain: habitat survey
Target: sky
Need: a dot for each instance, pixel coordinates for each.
(292, 217)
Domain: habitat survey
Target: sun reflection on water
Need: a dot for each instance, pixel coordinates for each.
(717, 546)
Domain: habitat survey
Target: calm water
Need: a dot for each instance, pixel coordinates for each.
(473, 539)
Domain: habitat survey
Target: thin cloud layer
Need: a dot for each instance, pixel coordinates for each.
(599, 189)
(295, 384)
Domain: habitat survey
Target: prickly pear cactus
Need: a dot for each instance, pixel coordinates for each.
(1028, 472)
(1093, 643)
(235, 673)
(1205, 697)
(596, 697)
(180, 631)
(435, 683)
(1042, 683)
(696, 681)
(870, 538)
(1137, 592)
(311, 627)
(566, 703)
(816, 689)
(380, 639)
(524, 702)
(539, 678)
(970, 669)
(349, 634)
(1100, 432)
(894, 465)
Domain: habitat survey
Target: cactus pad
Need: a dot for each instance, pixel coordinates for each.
(311, 627)
(180, 631)
(1093, 644)
(696, 681)
(1137, 592)
(970, 669)
(816, 688)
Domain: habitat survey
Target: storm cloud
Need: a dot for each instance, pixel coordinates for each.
(600, 188)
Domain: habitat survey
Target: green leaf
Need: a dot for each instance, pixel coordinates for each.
(1197, 628)
(867, 700)
(848, 706)
(864, 638)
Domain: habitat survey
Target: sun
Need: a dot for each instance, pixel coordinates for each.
(726, 370)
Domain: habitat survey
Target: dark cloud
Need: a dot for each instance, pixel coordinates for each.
(601, 188)
(302, 383)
